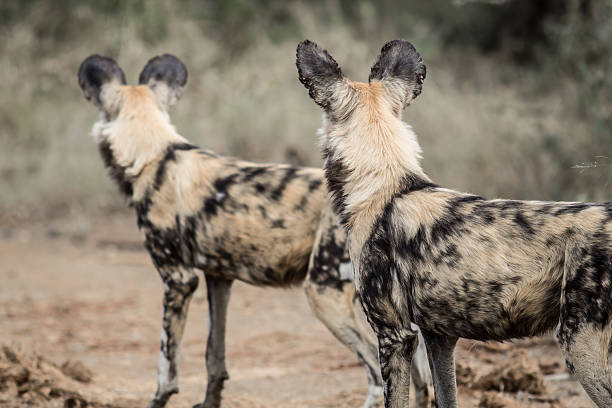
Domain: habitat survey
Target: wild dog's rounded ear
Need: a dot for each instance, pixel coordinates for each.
(318, 72)
(166, 75)
(399, 60)
(96, 71)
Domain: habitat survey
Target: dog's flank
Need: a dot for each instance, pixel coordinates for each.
(455, 264)
(268, 225)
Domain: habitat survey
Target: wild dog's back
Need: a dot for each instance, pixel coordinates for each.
(254, 221)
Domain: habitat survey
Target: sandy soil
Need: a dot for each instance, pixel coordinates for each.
(83, 290)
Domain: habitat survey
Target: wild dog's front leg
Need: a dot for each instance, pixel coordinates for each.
(179, 285)
(218, 291)
(441, 351)
(395, 350)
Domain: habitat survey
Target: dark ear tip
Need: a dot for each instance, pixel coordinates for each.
(95, 71)
(399, 58)
(305, 44)
(89, 64)
(398, 43)
(303, 49)
(165, 67)
(93, 58)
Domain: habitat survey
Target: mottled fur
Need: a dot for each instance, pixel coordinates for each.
(229, 218)
(455, 264)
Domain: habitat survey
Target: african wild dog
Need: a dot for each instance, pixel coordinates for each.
(455, 264)
(229, 218)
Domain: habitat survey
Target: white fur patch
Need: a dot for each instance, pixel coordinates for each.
(163, 365)
(346, 271)
(201, 259)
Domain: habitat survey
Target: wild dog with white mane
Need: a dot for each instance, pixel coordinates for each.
(268, 225)
(455, 264)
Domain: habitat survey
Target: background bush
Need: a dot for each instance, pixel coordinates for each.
(517, 102)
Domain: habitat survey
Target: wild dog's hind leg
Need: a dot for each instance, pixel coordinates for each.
(335, 307)
(218, 291)
(330, 290)
(585, 326)
(442, 363)
(179, 285)
(587, 355)
(396, 348)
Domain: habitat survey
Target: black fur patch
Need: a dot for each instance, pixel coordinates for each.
(328, 255)
(142, 211)
(250, 173)
(377, 276)
(116, 171)
(262, 210)
(170, 155)
(411, 183)
(290, 174)
(484, 214)
(278, 223)
(219, 196)
(523, 222)
(260, 187)
(314, 185)
(572, 208)
(336, 173)
(165, 247)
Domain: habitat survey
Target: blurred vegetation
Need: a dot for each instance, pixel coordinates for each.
(517, 102)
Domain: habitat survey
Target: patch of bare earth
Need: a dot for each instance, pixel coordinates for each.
(80, 315)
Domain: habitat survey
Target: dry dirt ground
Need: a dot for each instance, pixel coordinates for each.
(80, 307)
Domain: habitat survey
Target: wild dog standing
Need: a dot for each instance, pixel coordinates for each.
(455, 264)
(228, 218)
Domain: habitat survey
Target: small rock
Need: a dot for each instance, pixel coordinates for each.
(10, 354)
(496, 400)
(77, 371)
(18, 374)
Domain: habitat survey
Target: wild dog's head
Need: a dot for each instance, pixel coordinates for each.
(367, 149)
(134, 128)
(103, 83)
(395, 79)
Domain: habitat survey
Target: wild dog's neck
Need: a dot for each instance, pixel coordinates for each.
(369, 158)
(130, 143)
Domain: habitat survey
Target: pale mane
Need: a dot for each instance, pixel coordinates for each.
(141, 131)
(378, 149)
